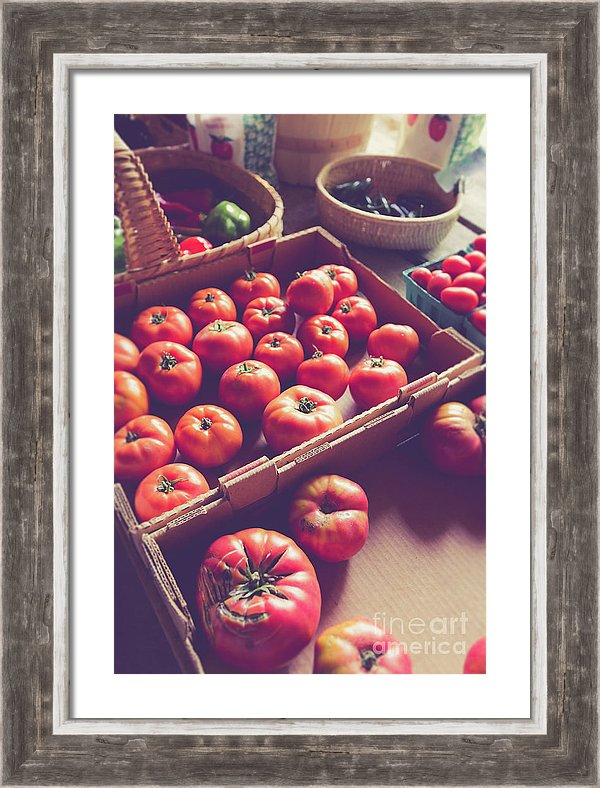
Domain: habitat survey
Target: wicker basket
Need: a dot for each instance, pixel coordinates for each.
(391, 175)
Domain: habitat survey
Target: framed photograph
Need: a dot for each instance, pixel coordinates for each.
(315, 469)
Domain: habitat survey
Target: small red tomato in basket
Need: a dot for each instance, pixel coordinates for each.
(472, 280)
(253, 284)
(247, 388)
(208, 305)
(376, 380)
(131, 398)
(310, 293)
(479, 243)
(455, 265)
(482, 269)
(478, 405)
(195, 245)
(479, 320)
(297, 415)
(475, 258)
(397, 342)
(344, 281)
(358, 646)
(358, 317)
(482, 298)
(167, 488)
(324, 333)
(266, 315)
(280, 351)
(459, 299)
(421, 276)
(142, 445)
(126, 354)
(475, 661)
(208, 436)
(453, 439)
(439, 280)
(223, 343)
(325, 372)
(161, 323)
(172, 372)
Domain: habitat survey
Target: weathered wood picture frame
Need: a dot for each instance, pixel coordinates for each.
(557, 43)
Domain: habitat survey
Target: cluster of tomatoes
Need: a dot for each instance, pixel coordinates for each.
(460, 284)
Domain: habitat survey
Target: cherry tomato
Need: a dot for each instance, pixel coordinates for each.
(223, 343)
(142, 445)
(460, 299)
(324, 372)
(421, 276)
(311, 293)
(456, 264)
(161, 323)
(479, 243)
(126, 354)
(329, 517)
(398, 343)
(376, 380)
(344, 281)
(358, 646)
(167, 488)
(324, 333)
(478, 319)
(266, 315)
(247, 388)
(259, 599)
(131, 398)
(475, 659)
(472, 280)
(482, 298)
(482, 269)
(478, 405)
(208, 305)
(195, 245)
(475, 259)
(208, 436)
(439, 280)
(172, 372)
(454, 440)
(358, 317)
(280, 351)
(297, 415)
(251, 285)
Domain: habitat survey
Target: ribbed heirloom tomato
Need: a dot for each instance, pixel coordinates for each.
(223, 343)
(259, 599)
(376, 380)
(126, 354)
(172, 372)
(397, 342)
(358, 646)
(297, 415)
(324, 333)
(311, 293)
(454, 440)
(358, 317)
(208, 436)
(344, 281)
(251, 285)
(280, 351)
(161, 324)
(142, 445)
(265, 315)
(325, 372)
(166, 488)
(131, 398)
(247, 388)
(208, 305)
(329, 517)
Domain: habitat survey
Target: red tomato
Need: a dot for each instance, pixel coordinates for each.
(265, 315)
(329, 517)
(456, 264)
(297, 415)
(358, 317)
(251, 285)
(482, 298)
(126, 354)
(344, 281)
(478, 405)
(421, 276)
(208, 435)
(324, 333)
(167, 488)
(398, 343)
(376, 380)
(311, 293)
(439, 280)
(280, 351)
(475, 259)
(247, 388)
(454, 440)
(195, 245)
(142, 445)
(223, 343)
(479, 243)
(131, 398)
(475, 659)
(208, 305)
(161, 324)
(324, 372)
(460, 299)
(172, 372)
(478, 319)
(482, 269)
(358, 646)
(259, 599)
(472, 280)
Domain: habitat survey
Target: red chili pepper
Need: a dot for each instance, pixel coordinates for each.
(198, 200)
(177, 213)
(195, 245)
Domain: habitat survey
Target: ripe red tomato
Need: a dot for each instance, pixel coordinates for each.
(475, 258)
(131, 398)
(280, 351)
(456, 264)
(259, 599)
(376, 380)
(454, 440)
(126, 354)
(324, 333)
(324, 372)
(358, 646)
(223, 343)
(208, 305)
(167, 488)
(195, 245)
(344, 281)
(208, 436)
(142, 445)
(398, 343)
(479, 320)
(297, 415)
(251, 285)
(358, 317)
(475, 659)
(439, 280)
(311, 293)
(329, 517)
(460, 299)
(472, 280)
(482, 270)
(478, 405)
(421, 276)
(172, 372)
(482, 298)
(161, 324)
(266, 315)
(247, 388)
(479, 243)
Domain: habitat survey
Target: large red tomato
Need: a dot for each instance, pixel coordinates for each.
(161, 324)
(325, 372)
(131, 398)
(376, 380)
(142, 445)
(478, 405)
(454, 440)
(475, 659)
(172, 372)
(208, 305)
(259, 599)
(223, 343)
(358, 646)
(400, 343)
(311, 293)
(167, 488)
(251, 285)
(280, 351)
(329, 517)
(324, 333)
(208, 436)
(297, 415)
(265, 315)
(247, 388)
(358, 317)
(344, 281)
(126, 354)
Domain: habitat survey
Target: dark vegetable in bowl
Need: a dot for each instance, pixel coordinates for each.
(357, 194)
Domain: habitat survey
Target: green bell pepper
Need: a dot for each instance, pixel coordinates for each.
(226, 222)
(120, 263)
